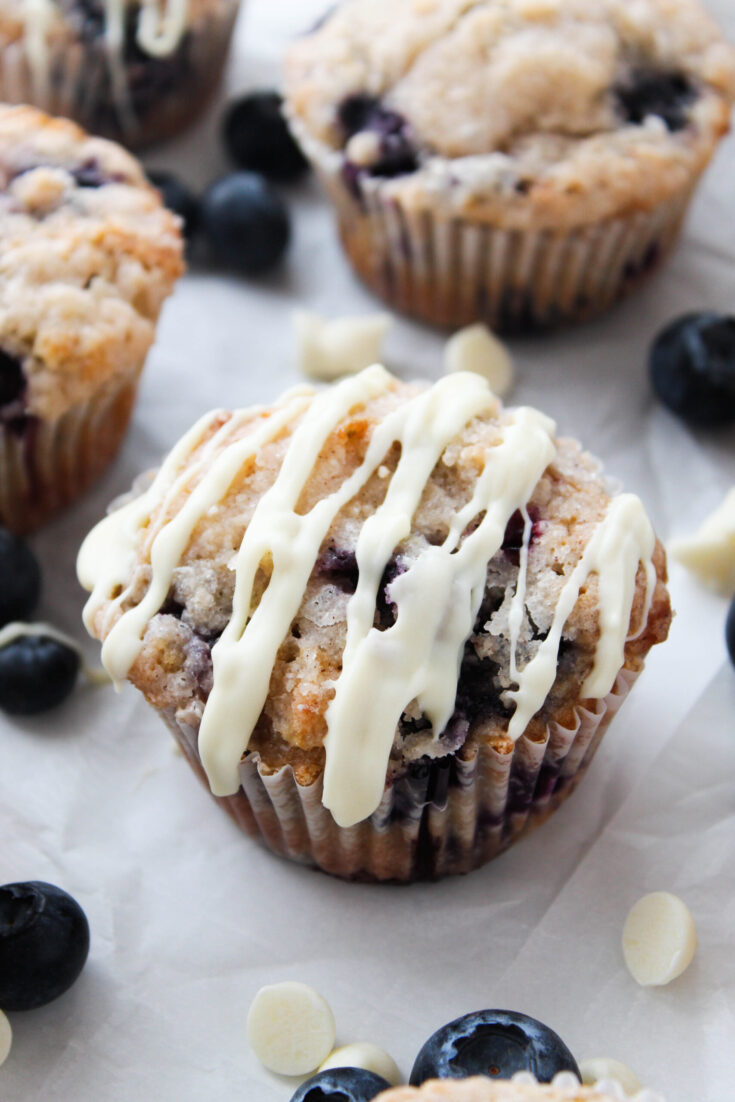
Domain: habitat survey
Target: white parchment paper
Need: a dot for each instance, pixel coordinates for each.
(189, 917)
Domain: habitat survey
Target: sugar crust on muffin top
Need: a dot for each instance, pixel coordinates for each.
(531, 113)
(217, 540)
(88, 254)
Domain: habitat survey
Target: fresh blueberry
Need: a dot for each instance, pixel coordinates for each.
(44, 943)
(495, 1043)
(246, 223)
(692, 366)
(178, 198)
(20, 578)
(36, 673)
(257, 137)
(12, 380)
(341, 1085)
(730, 632)
(666, 95)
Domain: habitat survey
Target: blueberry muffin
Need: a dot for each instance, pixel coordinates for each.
(87, 257)
(388, 623)
(487, 1090)
(520, 162)
(132, 70)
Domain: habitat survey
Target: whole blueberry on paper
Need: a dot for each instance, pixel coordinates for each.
(37, 673)
(730, 632)
(44, 943)
(494, 1043)
(341, 1085)
(692, 366)
(257, 137)
(246, 224)
(20, 578)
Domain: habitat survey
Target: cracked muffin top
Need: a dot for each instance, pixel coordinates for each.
(557, 110)
(88, 254)
(480, 1089)
(379, 572)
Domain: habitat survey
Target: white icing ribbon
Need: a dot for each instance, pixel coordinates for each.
(436, 599)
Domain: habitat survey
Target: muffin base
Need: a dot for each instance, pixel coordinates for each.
(79, 86)
(452, 272)
(46, 465)
(433, 828)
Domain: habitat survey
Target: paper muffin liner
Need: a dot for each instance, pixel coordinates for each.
(450, 816)
(452, 271)
(80, 82)
(45, 465)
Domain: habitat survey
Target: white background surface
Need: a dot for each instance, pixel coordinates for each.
(189, 917)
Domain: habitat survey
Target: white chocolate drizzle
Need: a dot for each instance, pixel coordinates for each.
(160, 29)
(436, 599)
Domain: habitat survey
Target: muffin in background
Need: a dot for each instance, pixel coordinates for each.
(387, 623)
(133, 71)
(517, 162)
(88, 255)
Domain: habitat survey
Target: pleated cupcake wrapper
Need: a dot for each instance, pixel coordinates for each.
(44, 465)
(455, 817)
(78, 83)
(452, 271)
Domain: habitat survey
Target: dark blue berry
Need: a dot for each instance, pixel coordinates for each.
(90, 174)
(20, 578)
(730, 632)
(341, 1085)
(692, 366)
(257, 137)
(178, 198)
(666, 95)
(494, 1043)
(12, 379)
(398, 154)
(44, 943)
(246, 223)
(36, 673)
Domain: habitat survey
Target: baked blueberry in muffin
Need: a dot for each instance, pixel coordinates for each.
(87, 257)
(388, 622)
(522, 162)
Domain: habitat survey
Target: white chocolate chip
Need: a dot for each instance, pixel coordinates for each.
(525, 1078)
(363, 149)
(366, 1056)
(290, 1028)
(603, 1067)
(659, 939)
(565, 1080)
(612, 1088)
(476, 349)
(6, 1038)
(343, 346)
(710, 552)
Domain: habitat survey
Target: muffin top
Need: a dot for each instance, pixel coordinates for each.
(353, 581)
(542, 110)
(480, 1089)
(88, 254)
